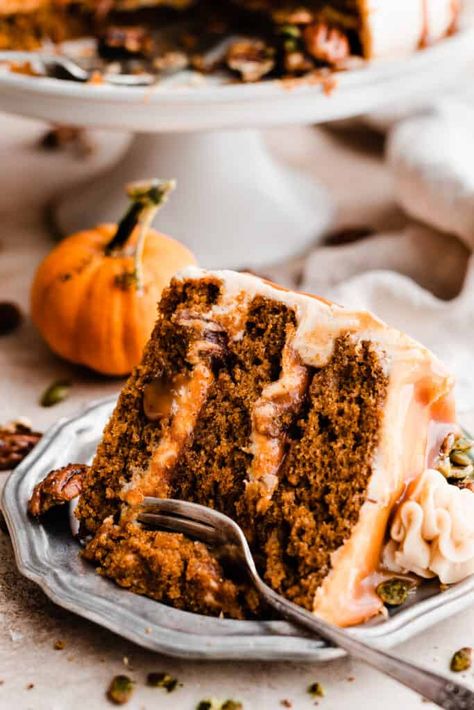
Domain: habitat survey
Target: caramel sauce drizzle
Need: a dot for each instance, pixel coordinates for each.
(268, 439)
(179, 404)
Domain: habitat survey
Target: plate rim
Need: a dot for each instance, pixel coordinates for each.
(276, 640)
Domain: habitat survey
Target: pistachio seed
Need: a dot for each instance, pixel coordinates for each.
(316, 690)
(464, 444)
(448, 443)
(55, 393)
(459, 458)
(162, 680)
(290, 31)
(395, 591)
(462, 660)
(464, 472)
(214, 704)
(120, 689)
(444, 467)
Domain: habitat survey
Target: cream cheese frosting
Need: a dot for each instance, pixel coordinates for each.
(433, 531)
(393, 28)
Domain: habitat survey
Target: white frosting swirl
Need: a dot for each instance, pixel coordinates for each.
(433, 531)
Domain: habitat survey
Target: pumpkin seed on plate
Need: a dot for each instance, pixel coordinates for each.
(55, 393)
(395, 591)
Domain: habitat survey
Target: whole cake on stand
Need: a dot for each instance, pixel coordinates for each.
(243, 209)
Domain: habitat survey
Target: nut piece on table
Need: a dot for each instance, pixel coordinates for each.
(326, 43)
(16, 442)
(60, 486)
(10, 317)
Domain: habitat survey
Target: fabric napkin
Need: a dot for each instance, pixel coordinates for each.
(421, 279)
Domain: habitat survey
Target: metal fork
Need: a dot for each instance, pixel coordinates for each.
(61, 67)
(218, 530)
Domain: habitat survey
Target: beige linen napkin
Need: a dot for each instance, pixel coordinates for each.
(420, 280)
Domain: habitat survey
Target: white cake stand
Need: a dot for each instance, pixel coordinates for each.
(235, 205)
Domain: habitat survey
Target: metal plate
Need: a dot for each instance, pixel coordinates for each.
(48, 555)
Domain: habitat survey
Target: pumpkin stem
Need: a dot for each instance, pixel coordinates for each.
(146, 199)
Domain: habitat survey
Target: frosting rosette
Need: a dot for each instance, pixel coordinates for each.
(432, 533)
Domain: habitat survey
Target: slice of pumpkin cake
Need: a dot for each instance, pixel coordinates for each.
(304, 421)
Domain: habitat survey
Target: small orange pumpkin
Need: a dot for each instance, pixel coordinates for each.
(94, 296)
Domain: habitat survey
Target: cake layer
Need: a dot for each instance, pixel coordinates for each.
(303, 421)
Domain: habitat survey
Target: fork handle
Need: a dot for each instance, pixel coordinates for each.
(442, 691)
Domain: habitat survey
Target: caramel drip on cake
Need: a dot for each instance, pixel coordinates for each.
(180, 404)
(280, 398)
(425, 29)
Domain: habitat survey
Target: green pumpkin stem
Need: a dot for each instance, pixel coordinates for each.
(146, 199)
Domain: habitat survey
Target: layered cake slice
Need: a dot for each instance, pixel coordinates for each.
(305, 422)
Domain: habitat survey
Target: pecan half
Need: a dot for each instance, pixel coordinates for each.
(326, 43)
(16, 441)
(60, 486)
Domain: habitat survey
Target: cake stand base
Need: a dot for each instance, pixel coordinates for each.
(235, 206)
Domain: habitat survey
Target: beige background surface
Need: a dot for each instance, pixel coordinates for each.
(350, 164)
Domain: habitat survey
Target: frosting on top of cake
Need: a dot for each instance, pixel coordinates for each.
(433, 531)
(320, 322)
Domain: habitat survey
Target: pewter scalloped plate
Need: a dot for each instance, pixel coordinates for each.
(48, 554)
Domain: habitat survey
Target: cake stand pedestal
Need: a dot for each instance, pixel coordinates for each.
(235, 206)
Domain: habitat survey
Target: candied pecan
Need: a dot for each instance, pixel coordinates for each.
(16, 441)
(60, 486)
(251, 58)
(125, 41)
(326, 43)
